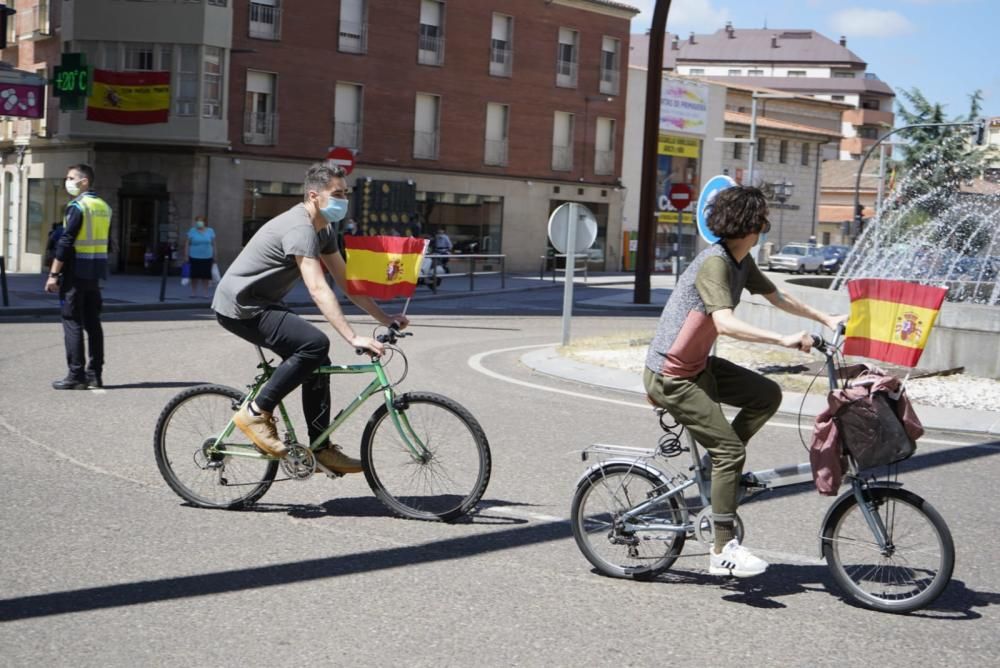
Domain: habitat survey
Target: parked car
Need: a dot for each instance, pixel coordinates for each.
(833, 258)
(797, 258)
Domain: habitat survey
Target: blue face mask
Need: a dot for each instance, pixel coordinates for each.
(335, 210)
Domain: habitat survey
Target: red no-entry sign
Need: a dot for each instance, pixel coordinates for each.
(341, 157)
(680, 196)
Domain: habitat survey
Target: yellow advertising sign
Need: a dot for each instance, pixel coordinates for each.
(682, 147)
(671, 217)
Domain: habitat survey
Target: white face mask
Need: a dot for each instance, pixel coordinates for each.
(72, 187)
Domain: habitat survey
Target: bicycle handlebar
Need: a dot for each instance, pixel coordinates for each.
(390, 337)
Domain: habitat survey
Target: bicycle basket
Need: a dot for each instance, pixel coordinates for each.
(872, 433)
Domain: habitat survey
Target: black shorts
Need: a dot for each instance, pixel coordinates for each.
(201, 269)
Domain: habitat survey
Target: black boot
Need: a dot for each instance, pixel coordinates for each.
(94, 379)
(69, 383)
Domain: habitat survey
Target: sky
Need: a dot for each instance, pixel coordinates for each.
(938, 46)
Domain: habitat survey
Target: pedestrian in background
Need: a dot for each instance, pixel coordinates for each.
(80, 263)
(442, 246)
(199, 253)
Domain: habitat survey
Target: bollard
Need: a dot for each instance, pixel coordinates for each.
(3, 280)
(163, 280)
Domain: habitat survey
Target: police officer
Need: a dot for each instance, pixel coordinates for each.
(81, 262)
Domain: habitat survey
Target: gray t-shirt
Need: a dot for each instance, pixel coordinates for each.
(265, 270)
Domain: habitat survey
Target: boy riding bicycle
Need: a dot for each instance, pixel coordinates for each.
(682, 377)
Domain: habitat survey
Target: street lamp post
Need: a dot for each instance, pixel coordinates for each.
(782, 192)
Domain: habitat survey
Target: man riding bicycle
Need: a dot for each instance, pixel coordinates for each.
(248, 302)
(683, 378)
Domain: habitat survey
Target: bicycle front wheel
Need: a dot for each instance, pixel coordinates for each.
(599, 503)
(198, 470)
(914, 567)
(427, 459)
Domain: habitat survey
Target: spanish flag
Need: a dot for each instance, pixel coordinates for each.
(129, 98)
(891, 320)
(383, 267)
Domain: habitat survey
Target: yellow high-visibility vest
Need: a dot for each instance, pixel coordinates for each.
(92, 241)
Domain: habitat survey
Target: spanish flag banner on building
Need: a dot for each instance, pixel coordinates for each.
(129, 98)
(891, 320)
(383, 267)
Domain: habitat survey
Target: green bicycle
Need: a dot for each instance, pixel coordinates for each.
(424, 455)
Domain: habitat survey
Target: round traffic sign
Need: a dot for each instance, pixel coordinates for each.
(708, 193)
(680, 196)
(341, 157)
(559, 222)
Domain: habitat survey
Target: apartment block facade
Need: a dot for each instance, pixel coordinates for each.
(479, 117)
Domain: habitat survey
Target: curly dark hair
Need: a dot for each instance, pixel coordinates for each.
(737, 212)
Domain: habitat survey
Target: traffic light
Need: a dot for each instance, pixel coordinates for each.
(5, 12)
(979, 132)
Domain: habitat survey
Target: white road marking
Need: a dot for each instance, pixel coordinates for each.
(476, 363)
(525, 515)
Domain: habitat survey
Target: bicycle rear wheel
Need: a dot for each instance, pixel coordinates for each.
(449, 473)
(185, 435)
(910, 572)
(598, 504)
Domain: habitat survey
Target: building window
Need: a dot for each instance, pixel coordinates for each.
(868, 132)
(562, 142)
(783, 151)
(735, 73)
(610, 59)
(805, 154)
(353, 37)
(501, 46)
(738, 149)
(796, 73)
(604, 147)
(347, 115)
(837, 98)
(431, 43)
(566, 58)
(426, 138)
(696, 71)
(186, 88)
(870, 103)
(755, 73)
(497, 120)
(843, 75)
(138, 57)
(260, 126)
(761, 149)
(265, 19)
(211, 78)
(11, 26)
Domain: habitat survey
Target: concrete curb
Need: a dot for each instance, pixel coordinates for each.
(548, 361)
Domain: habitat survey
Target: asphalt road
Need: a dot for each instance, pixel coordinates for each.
(102, 565)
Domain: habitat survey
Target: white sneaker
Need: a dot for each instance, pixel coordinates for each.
(735, 560)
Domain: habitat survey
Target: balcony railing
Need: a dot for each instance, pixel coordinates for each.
(265, 21)
(566, 73)
(501, 62)
(495, 153)
(609, 81)
(604, 162)
(353, 37)
(347, 135)
(425, 145)
(562, 158)
(260, 128)
(431, 50)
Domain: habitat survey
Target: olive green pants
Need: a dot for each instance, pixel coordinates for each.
(695, 403)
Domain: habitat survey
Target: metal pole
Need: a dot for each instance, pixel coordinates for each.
(753, 138)
(881, 178)
(570, 268)
(651, 131)
(3, 280)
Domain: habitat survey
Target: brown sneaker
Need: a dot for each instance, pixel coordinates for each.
(261, 431)
(334, 459)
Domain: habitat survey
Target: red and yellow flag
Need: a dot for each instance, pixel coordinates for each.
(891, 320)
(383, 267)
(129, 98)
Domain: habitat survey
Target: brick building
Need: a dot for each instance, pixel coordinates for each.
(476, 116)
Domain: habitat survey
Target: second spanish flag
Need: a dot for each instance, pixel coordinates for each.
(129, 98)
(383, 267)
(890, 320)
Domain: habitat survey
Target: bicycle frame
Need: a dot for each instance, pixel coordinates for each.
(380, 383)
